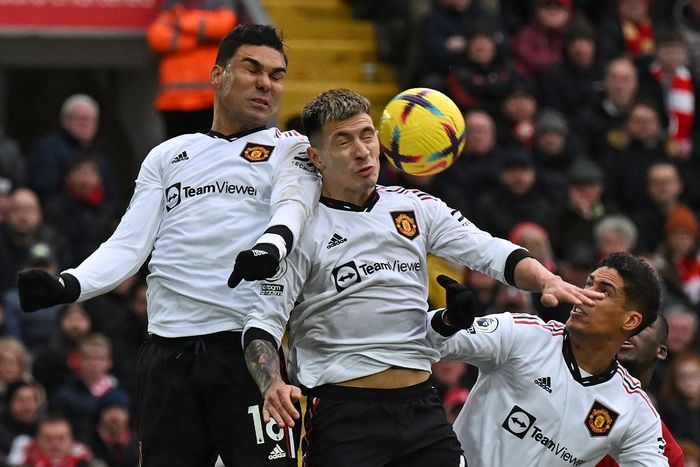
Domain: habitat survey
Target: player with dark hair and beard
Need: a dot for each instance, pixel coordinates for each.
(239, 194)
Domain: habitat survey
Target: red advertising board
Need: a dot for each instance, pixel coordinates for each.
(77, 14)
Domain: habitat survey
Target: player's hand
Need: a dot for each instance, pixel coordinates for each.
(461, 303)
(258, 263)
(556, 290)
(279, 403)
(38, 289)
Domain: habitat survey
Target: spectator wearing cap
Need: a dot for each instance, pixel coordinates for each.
(539, 44)
(476, 169)
(670, 81)
(629, 32)
(516, 127)
(483, 75)
(35, 330)
(554, 151)
(444, 37)
(569, 86)
(681, 270)
(664, 187)
(514, 199)
(576, 263)
(574, 218)
(24, 404)
(612, 105)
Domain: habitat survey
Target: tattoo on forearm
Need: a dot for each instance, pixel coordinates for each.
(263, 363)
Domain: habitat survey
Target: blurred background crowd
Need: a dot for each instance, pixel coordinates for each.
(582, 140)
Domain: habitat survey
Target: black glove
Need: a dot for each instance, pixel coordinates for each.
(39, 289)
(461, 303)
(260, 262)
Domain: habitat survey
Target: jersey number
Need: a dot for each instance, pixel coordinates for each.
(273, 431)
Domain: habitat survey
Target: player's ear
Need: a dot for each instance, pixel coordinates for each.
(661, 352)
(315, 158)
(632, 321)
(215, 75)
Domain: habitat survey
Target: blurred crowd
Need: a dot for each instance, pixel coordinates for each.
(582, 140)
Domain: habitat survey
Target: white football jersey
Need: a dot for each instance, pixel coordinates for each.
(359, 275)
(199, 200)
(531, 405)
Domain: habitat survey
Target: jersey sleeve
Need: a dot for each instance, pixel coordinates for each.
(452, 236)
(296, 187)
(672, 450)
(126, 250)
(487, 343)
(644, 445)
(271, 310)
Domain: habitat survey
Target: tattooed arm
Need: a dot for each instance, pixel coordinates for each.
(263, 363)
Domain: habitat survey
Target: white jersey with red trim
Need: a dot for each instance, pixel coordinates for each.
(359, 277)
(531, 406)
(199, 200)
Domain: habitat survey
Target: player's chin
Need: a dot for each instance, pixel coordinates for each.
(574, 323)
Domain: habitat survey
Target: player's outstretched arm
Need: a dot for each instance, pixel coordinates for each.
(263, 364)
(38, 289)
(531, 275)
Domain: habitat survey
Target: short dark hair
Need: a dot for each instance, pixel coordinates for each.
(333, 105)
(249, 34)
(641, 285)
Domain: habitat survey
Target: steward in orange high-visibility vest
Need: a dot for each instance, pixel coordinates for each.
(187, 34)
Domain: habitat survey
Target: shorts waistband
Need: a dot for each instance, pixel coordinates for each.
(216, 337)
(347, 392)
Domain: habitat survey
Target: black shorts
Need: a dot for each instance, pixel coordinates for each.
(355, 427)
(196, 399)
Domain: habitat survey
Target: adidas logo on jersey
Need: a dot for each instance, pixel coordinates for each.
(180, 157)
(545, 383)
(277, 453)
(335, 241)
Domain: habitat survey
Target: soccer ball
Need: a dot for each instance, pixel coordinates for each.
(421, 131)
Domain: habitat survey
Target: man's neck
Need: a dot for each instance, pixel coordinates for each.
(642, 374)
(592, 355)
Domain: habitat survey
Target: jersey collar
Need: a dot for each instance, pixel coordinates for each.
(240, 134)
(345, 206)
(574, 370)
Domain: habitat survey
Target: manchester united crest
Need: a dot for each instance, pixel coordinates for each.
(600, 419)
(405, 223)
(253, 152)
